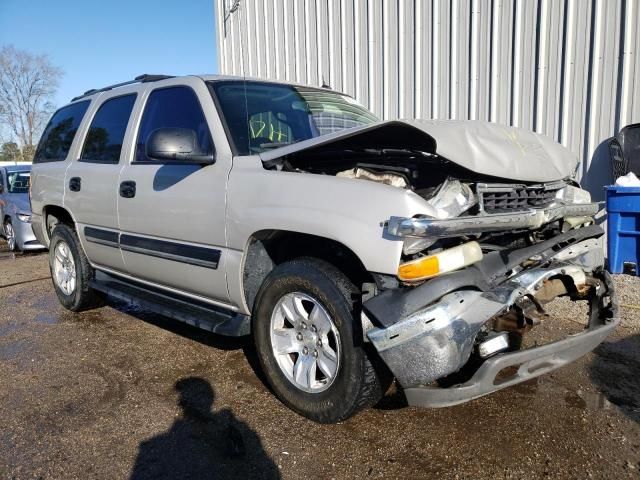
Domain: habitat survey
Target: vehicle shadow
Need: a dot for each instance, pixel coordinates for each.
(615, 372)
(185, 330)
(190, 332)
(203, 443)
(393, 400)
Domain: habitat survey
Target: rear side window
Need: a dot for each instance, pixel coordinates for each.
(173, 107)
(106, 133)
(58, 136)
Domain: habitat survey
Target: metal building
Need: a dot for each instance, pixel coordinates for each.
(567, 68)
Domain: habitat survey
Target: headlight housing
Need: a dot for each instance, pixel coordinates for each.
(452, 199)
(571, 194)
(24, 217)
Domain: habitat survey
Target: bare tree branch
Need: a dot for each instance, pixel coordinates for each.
(27, 85)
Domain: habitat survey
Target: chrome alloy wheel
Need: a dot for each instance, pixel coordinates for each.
(305, 342)
(10, 235)
(64, 269)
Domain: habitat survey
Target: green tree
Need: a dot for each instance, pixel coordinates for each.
(28, 151)
(10, 152)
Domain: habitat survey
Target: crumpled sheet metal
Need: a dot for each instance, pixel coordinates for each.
(482, 147)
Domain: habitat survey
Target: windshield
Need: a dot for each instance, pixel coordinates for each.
(18, 182)
(262, 116)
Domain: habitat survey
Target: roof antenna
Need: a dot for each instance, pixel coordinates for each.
(324, 84)
(243, 26)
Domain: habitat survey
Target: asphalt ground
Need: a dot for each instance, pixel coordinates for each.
(118, 392)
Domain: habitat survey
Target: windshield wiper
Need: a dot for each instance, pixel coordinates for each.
(277, 144)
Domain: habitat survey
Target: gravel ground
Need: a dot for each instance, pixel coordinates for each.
(120, 393)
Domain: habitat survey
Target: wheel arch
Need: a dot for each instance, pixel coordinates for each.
(51, 216)
(265, 249)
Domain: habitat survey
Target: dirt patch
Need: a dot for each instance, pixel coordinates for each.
(118, 392)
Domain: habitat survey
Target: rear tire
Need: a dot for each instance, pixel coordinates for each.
(71, 272)
(327, 383)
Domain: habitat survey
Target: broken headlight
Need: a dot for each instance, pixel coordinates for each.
(572, 195)
(452, 199)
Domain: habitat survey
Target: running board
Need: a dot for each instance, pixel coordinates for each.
(193, 312)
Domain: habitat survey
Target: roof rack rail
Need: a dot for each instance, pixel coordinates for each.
(144, 78)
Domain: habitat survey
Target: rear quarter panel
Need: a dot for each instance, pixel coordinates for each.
(48, 181)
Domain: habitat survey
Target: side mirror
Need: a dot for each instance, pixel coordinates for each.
(178, 144)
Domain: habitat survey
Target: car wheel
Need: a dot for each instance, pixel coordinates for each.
(70, 270)
(307, 343)
(10, 235)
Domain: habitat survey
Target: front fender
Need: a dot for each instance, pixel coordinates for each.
(349, 211)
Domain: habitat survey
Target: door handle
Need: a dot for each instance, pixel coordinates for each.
(128, 189)
(75, 183)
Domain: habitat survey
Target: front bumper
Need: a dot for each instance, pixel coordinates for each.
(25, 238)
(427, 342)
(530, 363)
(477, 224)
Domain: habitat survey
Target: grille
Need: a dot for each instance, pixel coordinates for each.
(499, 199)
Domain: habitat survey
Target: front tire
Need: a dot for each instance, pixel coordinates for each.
(308, 344)
(70, 270)
(10, 235)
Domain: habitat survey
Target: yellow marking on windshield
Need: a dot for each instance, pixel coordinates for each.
(255, 134)
(281, 135)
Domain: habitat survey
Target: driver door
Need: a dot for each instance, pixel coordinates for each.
(172, 213)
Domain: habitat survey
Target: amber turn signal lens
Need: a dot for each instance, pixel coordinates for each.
(442, 262)
(417, 269)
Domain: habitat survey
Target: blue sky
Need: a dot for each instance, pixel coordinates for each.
(97, 43)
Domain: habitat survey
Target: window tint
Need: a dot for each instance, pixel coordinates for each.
(57, 137)
(173, 107)
(106, 133)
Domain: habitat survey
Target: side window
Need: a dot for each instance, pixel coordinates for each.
(58, 135)
(106, 133)
(173, 107)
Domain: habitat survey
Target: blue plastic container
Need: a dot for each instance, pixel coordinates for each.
(623, 229)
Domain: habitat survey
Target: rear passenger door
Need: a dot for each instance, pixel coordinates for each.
(92, 180)
(172, 213)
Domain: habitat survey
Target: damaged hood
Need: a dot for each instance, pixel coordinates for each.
(482, 147)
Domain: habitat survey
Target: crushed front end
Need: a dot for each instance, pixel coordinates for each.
(474, 281)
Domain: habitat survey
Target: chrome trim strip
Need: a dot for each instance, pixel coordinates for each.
(473, 225)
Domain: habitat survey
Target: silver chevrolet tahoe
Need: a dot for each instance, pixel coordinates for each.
(352, 250)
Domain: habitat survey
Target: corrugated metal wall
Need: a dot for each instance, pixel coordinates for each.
(566, 68)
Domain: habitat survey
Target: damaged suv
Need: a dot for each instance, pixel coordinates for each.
(352, 250)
